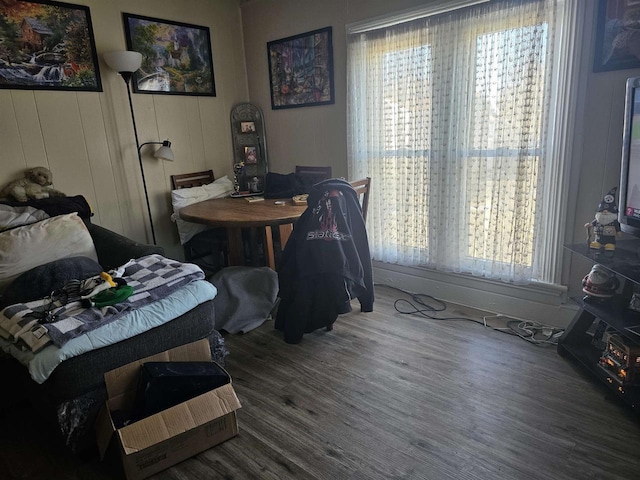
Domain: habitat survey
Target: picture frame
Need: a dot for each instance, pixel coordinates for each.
(47, 45)
(247, 127)
(176, 56)
(617, 45)
(250, 155)
(301, 70)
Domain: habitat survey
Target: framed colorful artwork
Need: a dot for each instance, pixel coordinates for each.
(617, 37)
(176, 57)
(46, 45)
(301, 70)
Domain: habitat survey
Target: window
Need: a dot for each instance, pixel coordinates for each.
(450, 117)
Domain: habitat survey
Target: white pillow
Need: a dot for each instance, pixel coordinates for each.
(27, 247)
(182, 197)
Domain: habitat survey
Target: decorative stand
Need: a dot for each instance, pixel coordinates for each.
(249, 149)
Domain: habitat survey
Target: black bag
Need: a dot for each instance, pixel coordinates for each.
(280, 185)
(164, 384)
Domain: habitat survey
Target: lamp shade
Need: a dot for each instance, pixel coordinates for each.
(164, 152)
(123, 61)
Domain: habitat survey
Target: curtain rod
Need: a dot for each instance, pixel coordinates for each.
(410, 14)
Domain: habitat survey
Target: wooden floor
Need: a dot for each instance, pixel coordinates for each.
(389, 396)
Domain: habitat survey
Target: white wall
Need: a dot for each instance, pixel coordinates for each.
(317, 136)
(298, 136)
(86, 138)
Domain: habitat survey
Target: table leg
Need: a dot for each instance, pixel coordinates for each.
(236, 247)
(269, 252)
(253, 246)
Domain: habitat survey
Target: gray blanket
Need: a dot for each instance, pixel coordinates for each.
(11, 217)
(152, 277)
(246, 296)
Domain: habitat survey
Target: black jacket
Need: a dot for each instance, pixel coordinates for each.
(325, 263)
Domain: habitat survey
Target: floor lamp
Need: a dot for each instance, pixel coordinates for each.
(125, 63)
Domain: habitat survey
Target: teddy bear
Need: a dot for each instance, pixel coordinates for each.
(35, 184)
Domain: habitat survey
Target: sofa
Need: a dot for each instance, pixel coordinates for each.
(72, 395)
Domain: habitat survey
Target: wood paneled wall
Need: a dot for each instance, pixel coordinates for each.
(87, 140)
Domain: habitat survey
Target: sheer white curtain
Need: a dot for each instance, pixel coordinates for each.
(450, 117)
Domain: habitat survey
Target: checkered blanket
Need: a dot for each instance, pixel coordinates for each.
(152, 277)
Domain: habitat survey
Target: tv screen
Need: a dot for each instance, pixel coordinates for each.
(629, 203)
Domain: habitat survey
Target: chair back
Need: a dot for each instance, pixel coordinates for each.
(320, 173)
(363, 188)
(188, 180)
(207, 249)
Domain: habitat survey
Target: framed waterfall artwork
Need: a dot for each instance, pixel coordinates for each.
(46, 45)
(301, 70)
(176, 57)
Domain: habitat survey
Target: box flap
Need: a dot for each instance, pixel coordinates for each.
(178, 419)
(124, 378)
(104, 430)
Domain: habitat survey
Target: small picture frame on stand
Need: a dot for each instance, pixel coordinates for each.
(250, 155)
(247, 127)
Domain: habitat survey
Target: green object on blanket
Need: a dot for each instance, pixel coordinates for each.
(111, 296)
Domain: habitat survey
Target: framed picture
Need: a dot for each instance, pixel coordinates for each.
(247, 127)
(301, 70)
(617, 38)
(250, 155)
(176, 57)
(47, 45)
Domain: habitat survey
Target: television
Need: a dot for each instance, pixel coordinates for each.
(629, 198)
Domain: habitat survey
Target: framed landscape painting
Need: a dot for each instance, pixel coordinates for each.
(176, 57)
(46, 45)
(301, 70)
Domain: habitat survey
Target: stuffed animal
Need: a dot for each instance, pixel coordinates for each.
(35, 184)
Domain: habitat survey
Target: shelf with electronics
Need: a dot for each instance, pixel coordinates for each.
(601, 335)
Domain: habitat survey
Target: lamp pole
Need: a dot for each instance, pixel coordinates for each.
(125, 63)
(126, 76)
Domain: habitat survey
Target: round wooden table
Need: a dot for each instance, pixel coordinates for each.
(234, 214)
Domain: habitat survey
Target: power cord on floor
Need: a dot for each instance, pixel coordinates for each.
(532, 332)
(419, 305)
(426, 305)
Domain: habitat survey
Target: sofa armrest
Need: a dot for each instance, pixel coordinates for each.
(114, 249)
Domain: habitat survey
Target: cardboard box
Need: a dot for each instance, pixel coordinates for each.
(157, 442)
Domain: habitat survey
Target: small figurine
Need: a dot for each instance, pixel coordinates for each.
(238, 168)
(605, 225)
(599, 284)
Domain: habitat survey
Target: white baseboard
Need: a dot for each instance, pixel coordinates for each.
(542, 303)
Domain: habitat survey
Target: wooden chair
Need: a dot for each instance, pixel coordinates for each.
(363, 188)
(211, 242)
(285, 230)
(321, 173)
(188, 180)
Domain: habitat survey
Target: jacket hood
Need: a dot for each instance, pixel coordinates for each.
(333, 184)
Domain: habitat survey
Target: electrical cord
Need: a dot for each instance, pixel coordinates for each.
(423, 304)
(420, 306)
(535, 333)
